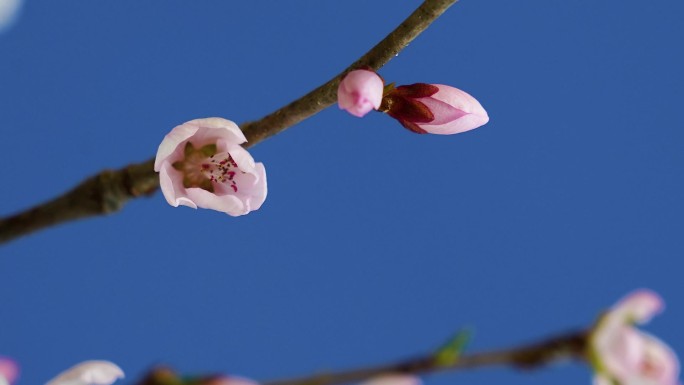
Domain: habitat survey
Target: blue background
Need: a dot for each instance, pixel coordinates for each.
(374, 243)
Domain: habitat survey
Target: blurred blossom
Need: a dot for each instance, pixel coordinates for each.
(9, 371)
(434, 108)
(166, 375)
(201, 164)
(393, 379)
(623, 354)
(89, 373)
(9, 10)
(229, 380)
(359, 92)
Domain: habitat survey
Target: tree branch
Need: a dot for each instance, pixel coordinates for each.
(570, 346)
(109, 190)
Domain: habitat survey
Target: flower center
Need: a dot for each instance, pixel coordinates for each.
(650, 368)
(202, 167)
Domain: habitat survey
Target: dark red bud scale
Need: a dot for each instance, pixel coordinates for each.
(402, 104)
(412, 127)
(411, 110)
(417, 90)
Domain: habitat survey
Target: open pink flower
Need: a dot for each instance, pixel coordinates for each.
(9, 371)
(201, 164)
(624, 355)
(89, 373)
(434, 108)
(359, 92)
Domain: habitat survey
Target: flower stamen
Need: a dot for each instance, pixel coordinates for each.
(202, 167)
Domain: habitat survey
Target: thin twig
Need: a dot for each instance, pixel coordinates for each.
(570, 346)
(109, 190)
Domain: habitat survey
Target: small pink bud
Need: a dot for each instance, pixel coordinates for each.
(89, 373)
(626, 355)
(9, 370)
(434, 108)
(359, 92)
(201, 164)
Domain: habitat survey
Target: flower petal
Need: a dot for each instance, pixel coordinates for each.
(242, 157)
(466, 123)
(663, 357)
(393, 379)
(602, 380)
(459, 99)
(172, 187)
(89, 373)
(622, 351)
(9, 370)
(443, 113)
(229, 203)
(202, 131)
(639, 306)
(474, 114)
(254, 193)
(212, 129)
(169, 145)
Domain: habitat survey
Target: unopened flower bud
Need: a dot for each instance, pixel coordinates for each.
(434, 108)
(359, 92)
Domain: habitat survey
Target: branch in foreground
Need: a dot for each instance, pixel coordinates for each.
(109, 190)
(561, 348)
(569, 346)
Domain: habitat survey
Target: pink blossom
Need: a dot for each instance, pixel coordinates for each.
(434, 108)
(393, 379)
(201, 164)
(623, 354)
(89, 373)
(9, 371)
(359, 92)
